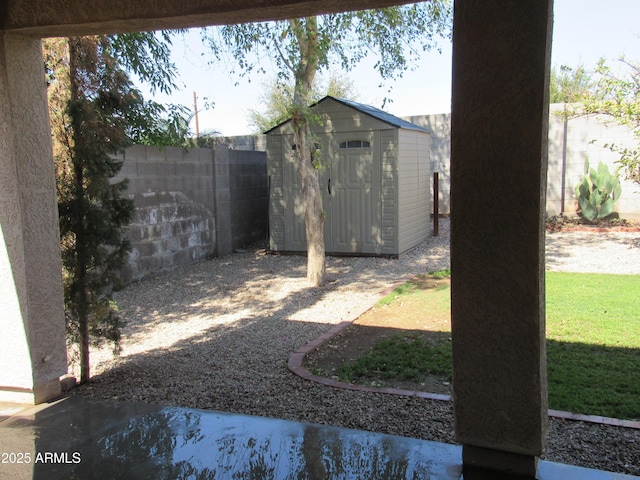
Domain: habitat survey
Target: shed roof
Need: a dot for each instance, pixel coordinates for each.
(367, 110)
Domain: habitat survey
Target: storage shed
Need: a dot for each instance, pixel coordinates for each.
(375, 179)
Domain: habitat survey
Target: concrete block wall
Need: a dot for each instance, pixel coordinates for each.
(586, 137)
(581, 138)
(169, 229)
(189, 205)
(244, 142)
(249, 198)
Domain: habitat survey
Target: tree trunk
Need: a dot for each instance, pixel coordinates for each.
(312, 198)
(307, 35)
(83, 321)
(80, 271)
(313, 217)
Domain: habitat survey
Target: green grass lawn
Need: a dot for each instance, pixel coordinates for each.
(593, 344)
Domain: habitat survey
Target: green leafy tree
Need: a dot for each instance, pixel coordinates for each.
(95, 113)
(570, 85)
(617, 94)
(277, 97)
(300, 48)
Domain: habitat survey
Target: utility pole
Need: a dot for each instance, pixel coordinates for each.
(195, 109)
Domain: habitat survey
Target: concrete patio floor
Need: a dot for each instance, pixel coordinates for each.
(98, 439)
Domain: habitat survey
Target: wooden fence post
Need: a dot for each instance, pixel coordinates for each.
(435, 204)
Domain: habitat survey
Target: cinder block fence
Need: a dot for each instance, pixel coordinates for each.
(570, 143)
(192, 204)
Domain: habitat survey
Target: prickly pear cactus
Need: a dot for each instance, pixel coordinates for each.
(598, 191)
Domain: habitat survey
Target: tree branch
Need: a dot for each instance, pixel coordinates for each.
(284, 59)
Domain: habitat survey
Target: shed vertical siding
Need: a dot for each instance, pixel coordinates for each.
(277, 200)
(413, 188)
(295, 233)
(389, 191)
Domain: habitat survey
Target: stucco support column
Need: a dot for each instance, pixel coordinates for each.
(501, 52)
(32, 331)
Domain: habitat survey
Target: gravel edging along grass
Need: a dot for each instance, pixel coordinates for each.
(296, 361)
(557, 338)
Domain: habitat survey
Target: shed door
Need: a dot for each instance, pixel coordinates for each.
(295, 235)
(354, 207)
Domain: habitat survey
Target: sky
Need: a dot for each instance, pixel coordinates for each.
(583, 32)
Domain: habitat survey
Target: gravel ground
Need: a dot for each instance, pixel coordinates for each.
(218, 335)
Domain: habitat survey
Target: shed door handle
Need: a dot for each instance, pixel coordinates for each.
(329, 187)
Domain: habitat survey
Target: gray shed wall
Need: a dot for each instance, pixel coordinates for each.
(440, 153)
(397, 201)
(414, 180)
(277, 200)
(389, 205)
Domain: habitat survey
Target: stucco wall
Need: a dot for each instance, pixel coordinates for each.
(32, 344)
